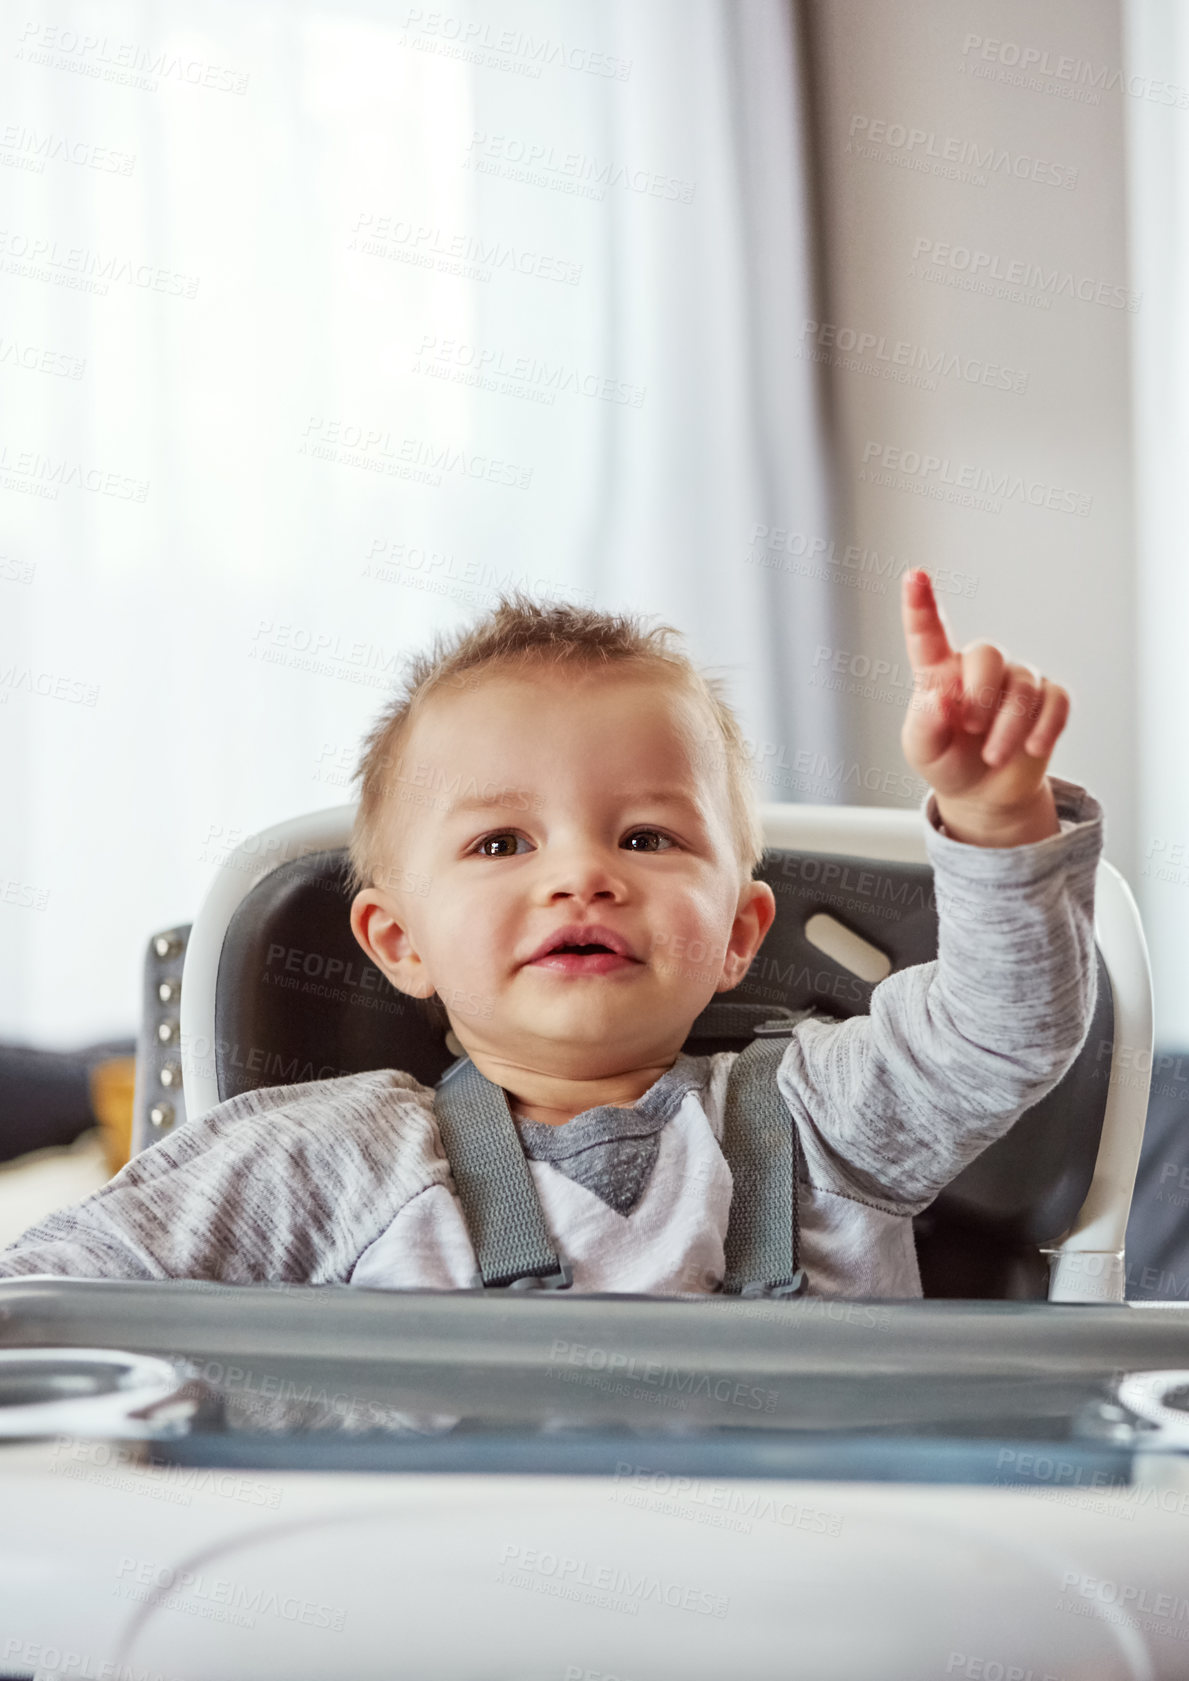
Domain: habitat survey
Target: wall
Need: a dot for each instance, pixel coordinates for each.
(993, 365)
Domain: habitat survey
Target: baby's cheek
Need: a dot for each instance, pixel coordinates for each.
(689, 954)
(467, 996)
(452, 967)
(479, 968)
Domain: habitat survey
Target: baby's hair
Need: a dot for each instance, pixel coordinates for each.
(516, 633)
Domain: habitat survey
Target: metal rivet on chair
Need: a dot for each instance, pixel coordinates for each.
(171, 1074)
(161, 1116)
(167, 1031)
(167, 945)
(169, 991)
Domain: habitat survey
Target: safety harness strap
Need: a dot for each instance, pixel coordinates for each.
(762, 1248)
(503, 1212)
(499, 1201)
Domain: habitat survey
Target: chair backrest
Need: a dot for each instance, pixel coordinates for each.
(276, 991)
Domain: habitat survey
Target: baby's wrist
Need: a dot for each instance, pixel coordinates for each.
(980, 823)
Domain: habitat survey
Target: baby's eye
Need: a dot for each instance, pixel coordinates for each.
(503, 835)
(655, 833)
(489, 841)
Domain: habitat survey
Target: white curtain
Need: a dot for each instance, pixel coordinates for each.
(321, 324)
(1156, 102)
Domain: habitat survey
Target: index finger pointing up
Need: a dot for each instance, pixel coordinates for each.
(924, 634)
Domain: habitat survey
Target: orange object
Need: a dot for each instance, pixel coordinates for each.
(112, 1083)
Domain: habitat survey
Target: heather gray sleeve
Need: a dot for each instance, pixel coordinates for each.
(286, 1184)
(892, 1105)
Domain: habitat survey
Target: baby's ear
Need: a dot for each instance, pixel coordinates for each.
(361, 920)
(756, 914)
(761, 905)
(387, 942)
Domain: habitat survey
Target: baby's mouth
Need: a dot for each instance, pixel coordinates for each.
(584, 947)
(584, 960)
(592, 957)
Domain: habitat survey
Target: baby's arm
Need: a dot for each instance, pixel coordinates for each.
(894, 1104)
(284, 1184)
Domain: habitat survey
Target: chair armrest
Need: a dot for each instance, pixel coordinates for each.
(1088, 1263)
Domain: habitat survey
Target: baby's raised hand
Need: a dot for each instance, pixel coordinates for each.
(979, 729)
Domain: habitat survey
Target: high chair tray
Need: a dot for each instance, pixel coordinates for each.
(298, 1483)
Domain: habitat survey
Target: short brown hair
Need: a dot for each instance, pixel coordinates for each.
(519, 631)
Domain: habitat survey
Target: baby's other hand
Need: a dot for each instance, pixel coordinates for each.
(979, 729)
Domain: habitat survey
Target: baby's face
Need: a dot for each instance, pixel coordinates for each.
(530, 803)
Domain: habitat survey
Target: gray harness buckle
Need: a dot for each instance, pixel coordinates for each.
(796, 1286)
(527, 1281)
(559, 1280)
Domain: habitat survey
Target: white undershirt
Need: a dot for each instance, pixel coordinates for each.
(671, 1243)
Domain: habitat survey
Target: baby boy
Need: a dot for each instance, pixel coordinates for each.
(590, 838)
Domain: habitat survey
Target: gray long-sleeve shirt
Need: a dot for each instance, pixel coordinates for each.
(345, 1180)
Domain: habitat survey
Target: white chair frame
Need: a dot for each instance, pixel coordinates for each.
(1087, 1264)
